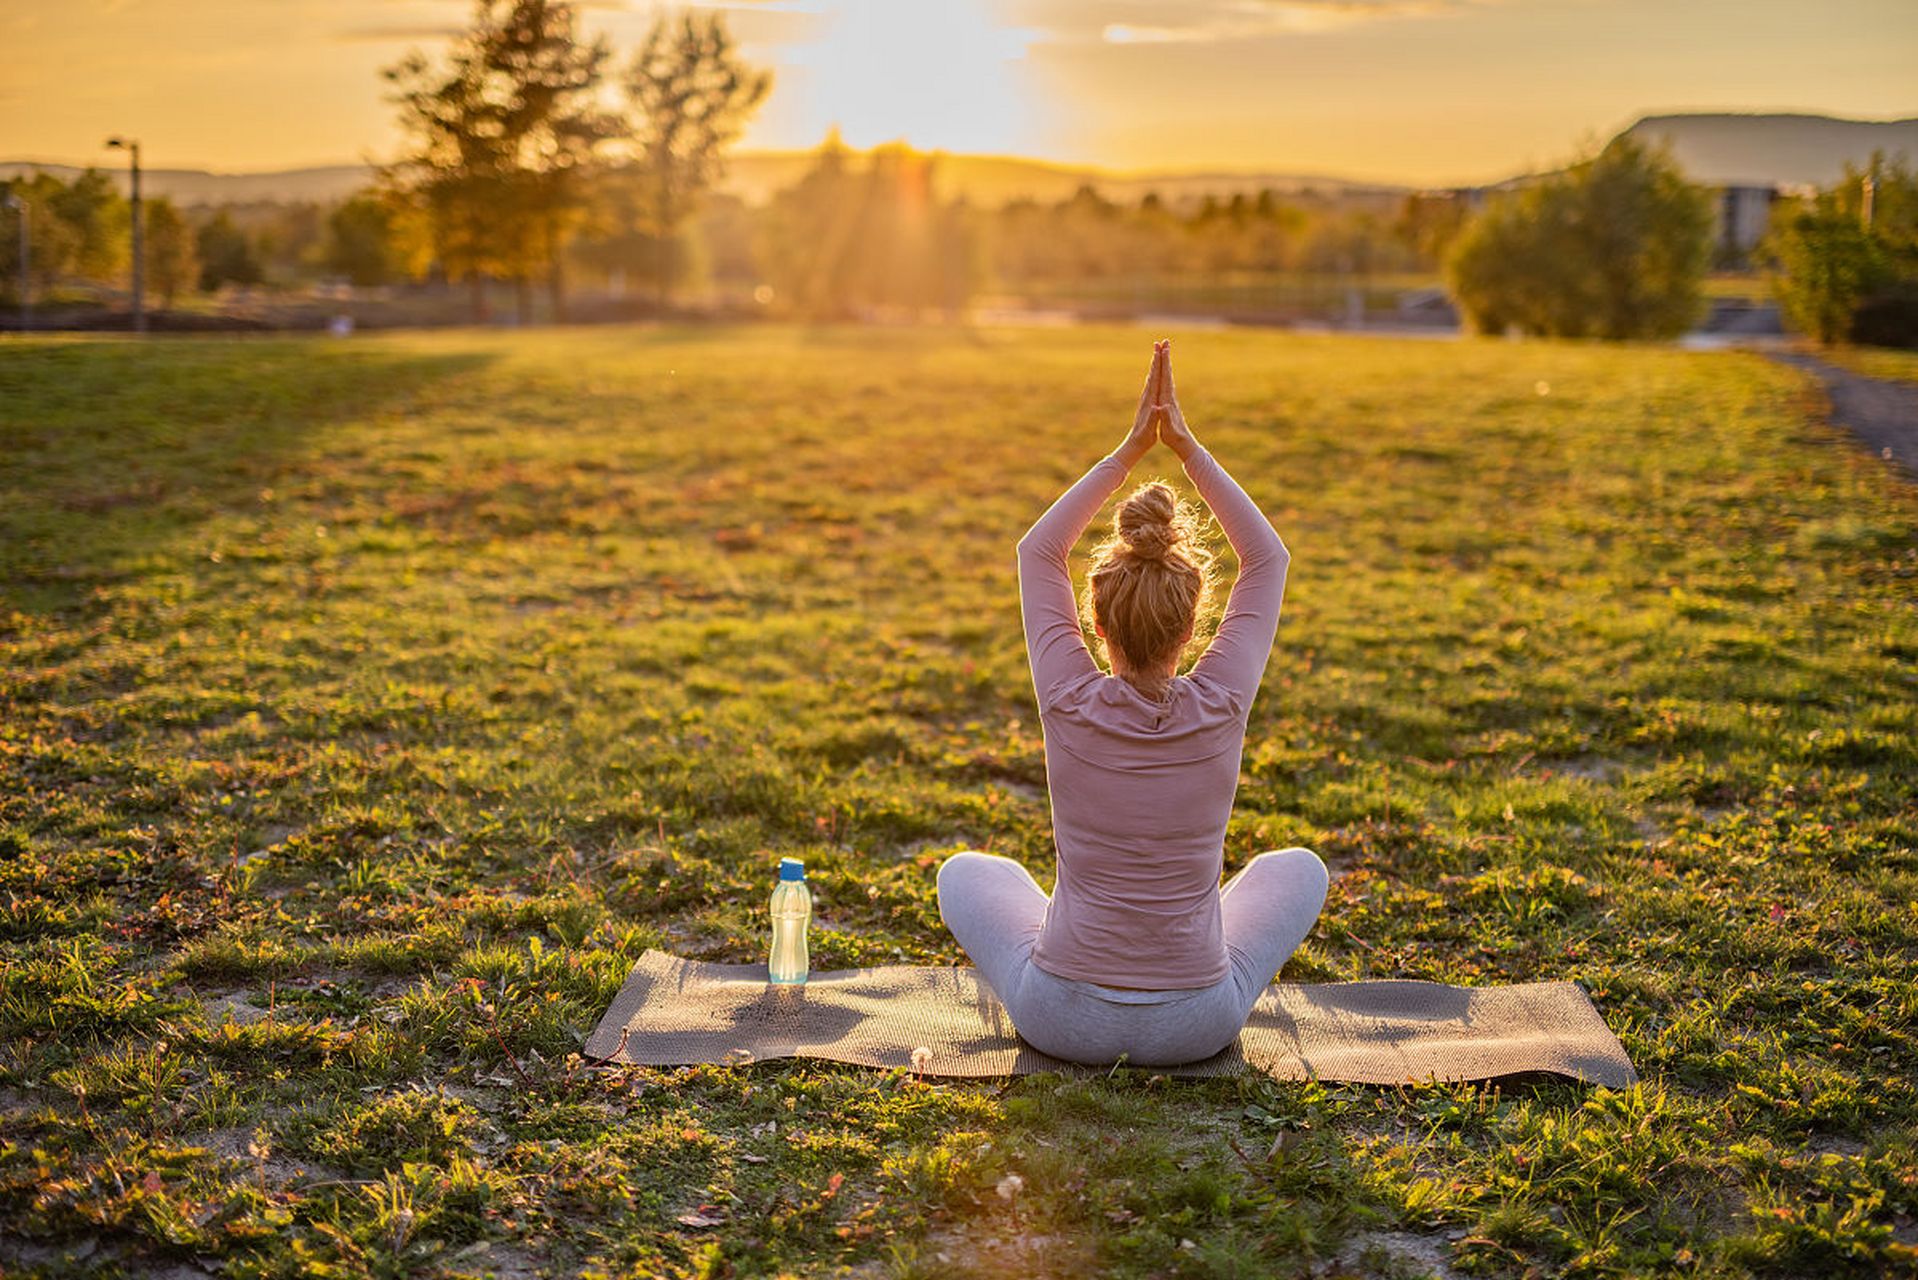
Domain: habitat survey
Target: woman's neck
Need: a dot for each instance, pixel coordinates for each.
(1153, 684)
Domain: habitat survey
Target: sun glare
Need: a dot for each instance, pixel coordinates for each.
(942, 76)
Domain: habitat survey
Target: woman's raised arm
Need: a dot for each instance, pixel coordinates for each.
(1238, 653)
(1054, 644)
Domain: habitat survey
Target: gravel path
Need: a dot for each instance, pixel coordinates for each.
(1883, 415)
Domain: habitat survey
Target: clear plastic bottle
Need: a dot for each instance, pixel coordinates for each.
(792, 912)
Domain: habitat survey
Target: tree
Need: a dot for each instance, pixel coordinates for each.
(690, 95)
(1830, 260)
(548, 81)
(51, 253)
(364, 242)
(1616, 247)
(499, 141)
(288, 239)
(1428, 222)
(226, 255)
(843, 239)
(96, 219)
(172, 254)
(1825, 262)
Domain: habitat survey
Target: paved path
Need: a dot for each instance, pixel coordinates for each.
(1883, 415)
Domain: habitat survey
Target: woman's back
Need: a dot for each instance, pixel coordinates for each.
(1140, 800)
(1142, 789)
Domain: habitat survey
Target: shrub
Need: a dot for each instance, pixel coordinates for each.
(1842, 271)
(1615, 247)
(1824, 261)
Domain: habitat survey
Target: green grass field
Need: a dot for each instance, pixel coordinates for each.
(367, 707)
(1876, 362)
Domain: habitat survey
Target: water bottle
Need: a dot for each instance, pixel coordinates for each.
(792, 911)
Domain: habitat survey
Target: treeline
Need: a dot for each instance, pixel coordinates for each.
(536, 158)
(81, 235)
(856, 233)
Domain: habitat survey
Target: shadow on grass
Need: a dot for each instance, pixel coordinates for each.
(114, 449)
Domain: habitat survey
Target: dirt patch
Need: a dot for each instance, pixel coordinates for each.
(237, 1145)
(1590, 768)
(237, 1008)
(995, 1249)
(1370, 1251)
(497, 1259)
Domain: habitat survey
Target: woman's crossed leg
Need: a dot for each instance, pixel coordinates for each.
(995, 909)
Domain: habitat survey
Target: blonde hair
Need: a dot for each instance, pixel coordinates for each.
(1150, 578)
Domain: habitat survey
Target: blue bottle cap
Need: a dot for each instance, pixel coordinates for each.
(792, 869)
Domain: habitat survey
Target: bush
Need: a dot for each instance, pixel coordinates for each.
(1824, 262)
(1840, 274)
(1888, 319)
(1615, 247)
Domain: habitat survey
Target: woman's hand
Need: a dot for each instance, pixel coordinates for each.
(1146, 424)
(1172, 427)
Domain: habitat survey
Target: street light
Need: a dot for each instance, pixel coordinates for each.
(19, 206)
(132, 145)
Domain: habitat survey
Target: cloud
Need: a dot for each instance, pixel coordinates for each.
(1204, 21)
(397, 34)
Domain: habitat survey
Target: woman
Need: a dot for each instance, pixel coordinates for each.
(1139, 952)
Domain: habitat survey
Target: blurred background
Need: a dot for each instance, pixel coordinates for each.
(1717, 172)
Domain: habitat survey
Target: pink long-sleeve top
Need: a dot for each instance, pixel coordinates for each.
(1141, 790)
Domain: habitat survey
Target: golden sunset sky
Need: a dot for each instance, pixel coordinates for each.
(1418, 91)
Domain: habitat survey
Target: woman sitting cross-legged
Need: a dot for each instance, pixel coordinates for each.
(1139, 952)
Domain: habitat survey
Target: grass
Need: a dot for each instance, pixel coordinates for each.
(367, 707)
(1876, 362)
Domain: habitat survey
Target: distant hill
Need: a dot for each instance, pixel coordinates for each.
(992, 181)
(1727, 148)
(1782, 150)
(753, 176)
(197, 186)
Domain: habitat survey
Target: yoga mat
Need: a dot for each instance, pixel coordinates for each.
(673, 1011)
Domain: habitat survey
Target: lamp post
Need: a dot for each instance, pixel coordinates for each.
(132, 146)
(19, 207)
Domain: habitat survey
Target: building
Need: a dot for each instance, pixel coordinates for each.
(1742, 214)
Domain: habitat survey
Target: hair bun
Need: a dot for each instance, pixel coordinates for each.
(1146, 522)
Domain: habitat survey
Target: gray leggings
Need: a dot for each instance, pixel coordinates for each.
(995, 908)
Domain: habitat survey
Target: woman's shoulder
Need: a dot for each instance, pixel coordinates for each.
(1113, 704)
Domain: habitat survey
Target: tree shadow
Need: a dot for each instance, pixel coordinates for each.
(114, 450)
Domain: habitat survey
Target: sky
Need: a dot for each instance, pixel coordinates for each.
(1413, 91)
